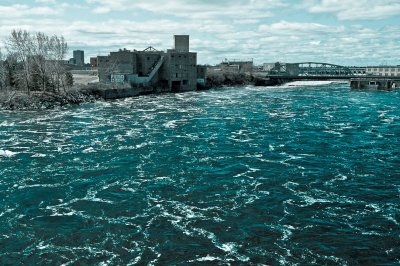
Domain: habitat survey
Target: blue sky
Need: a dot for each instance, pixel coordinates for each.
(356, 32)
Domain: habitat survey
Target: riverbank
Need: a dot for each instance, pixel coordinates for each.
(19, 100)
(16, 100)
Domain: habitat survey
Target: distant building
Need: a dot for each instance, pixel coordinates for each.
(174, 70)
(358, 71)
(234, 66)
(387, 71)
(268, 66)
(93, 61)
(79, 57)
(72, 61)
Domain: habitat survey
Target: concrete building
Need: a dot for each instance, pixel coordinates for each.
(79, 57)
(174, 70)
(386, 71)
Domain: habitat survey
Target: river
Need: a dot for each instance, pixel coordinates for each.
(306, 174)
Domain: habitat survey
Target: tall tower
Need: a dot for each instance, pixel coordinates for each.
(181, 43)
(79, 57)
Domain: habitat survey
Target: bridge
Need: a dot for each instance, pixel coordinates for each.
(285, 72)
(280, 73)
(310, 69)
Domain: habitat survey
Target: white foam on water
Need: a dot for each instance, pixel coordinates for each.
(6, 124)
(38, 155)
(307, 83)
(88, 150)
(206, 258)
(287, 232)
(339, 177)
(7, 153)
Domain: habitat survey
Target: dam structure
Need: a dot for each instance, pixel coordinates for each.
(172, 71)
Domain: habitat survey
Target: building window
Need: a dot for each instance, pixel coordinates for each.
(176, 75)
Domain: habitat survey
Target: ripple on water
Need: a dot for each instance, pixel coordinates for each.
(255, 175)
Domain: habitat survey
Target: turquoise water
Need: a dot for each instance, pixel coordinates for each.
(254, 175)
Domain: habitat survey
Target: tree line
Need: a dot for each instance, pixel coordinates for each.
(34, 62)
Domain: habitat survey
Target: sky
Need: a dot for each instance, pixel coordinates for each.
(344, 32)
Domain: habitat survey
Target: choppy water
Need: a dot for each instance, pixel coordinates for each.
(304, 175)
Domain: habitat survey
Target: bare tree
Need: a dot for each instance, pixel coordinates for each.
(41, 60)
(2, 72)
(59, 49)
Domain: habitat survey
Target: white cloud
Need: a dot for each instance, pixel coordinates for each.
(46, 1)
(194, 9)
(19, 10)
(217, 29)
(355, 10)
(284, 27)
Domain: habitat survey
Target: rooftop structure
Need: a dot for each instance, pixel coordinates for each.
(174, 70)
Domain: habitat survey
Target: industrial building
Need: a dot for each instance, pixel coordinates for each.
(174, 70)
(386, 71)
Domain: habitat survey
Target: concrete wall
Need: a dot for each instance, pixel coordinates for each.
(146, 61)
(123, 62)
(183, 69)
(104, 68)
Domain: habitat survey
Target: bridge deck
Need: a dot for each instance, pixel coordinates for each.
(324, 77)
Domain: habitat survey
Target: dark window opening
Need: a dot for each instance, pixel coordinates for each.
(176, 86)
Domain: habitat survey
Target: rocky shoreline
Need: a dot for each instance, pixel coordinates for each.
(42, 101)
(16, 100)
